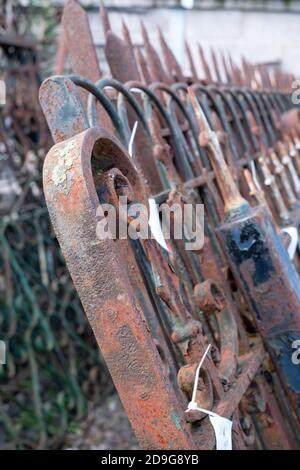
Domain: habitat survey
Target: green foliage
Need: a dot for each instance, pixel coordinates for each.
(37, 19)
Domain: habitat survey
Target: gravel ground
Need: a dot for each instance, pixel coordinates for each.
(105, 427)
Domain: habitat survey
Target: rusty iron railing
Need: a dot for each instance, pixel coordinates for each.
(233, 147)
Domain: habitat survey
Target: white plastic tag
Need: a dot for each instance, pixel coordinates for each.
(293, 233)
(131, 140)
(155, 224)
(222, 427)
(153, 221)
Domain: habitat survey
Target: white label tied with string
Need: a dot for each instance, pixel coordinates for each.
(222, 426)
(154, 221)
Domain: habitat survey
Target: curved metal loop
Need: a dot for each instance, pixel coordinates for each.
(268, 115)
(248, 134)
(104, 100)
(193, 150)
(180, 86)
(150, 98)
(198, 86)
(269, 108)
(253, 107)
(232, 104)
(224, 121)
(214, 106)
(173, 97)
(269, 131)
(124, 93)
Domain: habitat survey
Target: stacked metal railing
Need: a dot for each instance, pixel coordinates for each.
(153, 312)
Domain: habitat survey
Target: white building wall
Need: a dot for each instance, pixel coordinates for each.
(261, 36)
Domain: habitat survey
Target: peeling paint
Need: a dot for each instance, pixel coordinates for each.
(64, 156)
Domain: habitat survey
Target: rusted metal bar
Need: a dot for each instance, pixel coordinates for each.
(261, 145)
(191, 62)
(81, 52)
(170, 59)
(130, 353)
(206, 69)
(175, 337)
(216, 66)
(232, 107)
(124, 67)
(104, 18)
(61, 54)
(259, 261)
(155, 65)
(116, 308)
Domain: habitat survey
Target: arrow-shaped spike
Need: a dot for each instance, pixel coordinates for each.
(251, 70)
(144, 33)
(226, 69)
(257, 78)
(247, 71)
(200, 115)
(143, 67)
(216, 66)
(170, 59)
(191, 61)
(231, 66)
(265, 75)
(121, 59)
(207, 74)
(82, 52)
(273, 79)
(124, 68)
(61, 54)
(126, 34)
(156, 67)
(104, 18)
(130, 46)
(240, 75)
(235, 73)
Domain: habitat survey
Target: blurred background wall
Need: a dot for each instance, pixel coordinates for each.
(262, 31)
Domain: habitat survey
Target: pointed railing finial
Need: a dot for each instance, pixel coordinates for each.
(104, 18)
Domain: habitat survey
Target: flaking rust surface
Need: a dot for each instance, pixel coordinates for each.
(107, 297)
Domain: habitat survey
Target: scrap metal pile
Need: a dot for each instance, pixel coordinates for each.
(52, 362)
(232, 145)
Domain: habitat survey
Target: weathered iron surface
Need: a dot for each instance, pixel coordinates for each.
(185, 338)
(262, 267)
(239, 292)
(108, 299)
